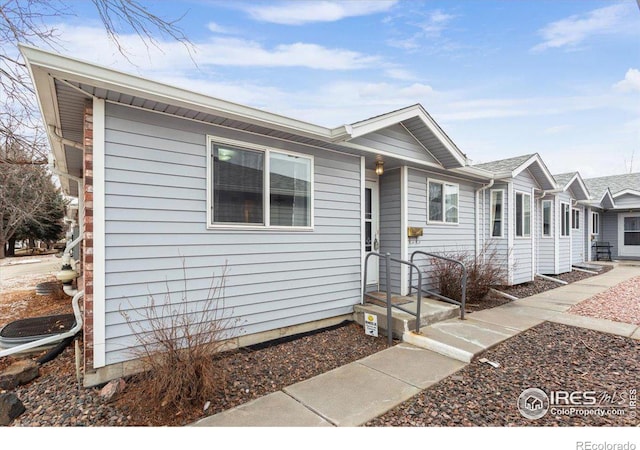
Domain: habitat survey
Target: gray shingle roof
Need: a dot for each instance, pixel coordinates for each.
(616, 183)
(564, 178)
(504, 165)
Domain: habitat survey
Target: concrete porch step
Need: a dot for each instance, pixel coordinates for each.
(431, 311)
(460, 339)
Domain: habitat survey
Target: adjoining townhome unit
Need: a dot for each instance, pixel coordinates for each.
(175, 186)
(508, 211)
(562, 225)
(614, 212)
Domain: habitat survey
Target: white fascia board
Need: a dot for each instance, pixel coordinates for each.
(626, 192)
(474, 172)
(105, 78)
(583, 187)
(535, 159)
(385, 120)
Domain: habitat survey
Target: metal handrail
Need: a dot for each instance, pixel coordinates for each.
(420, 288)
(388, 260)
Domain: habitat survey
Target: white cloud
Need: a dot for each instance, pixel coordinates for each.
(217, 51)
(631, 82)
(572, 31)
(301, 12)
(400, 74)
(557, 129)
(217, 28)
(436, 23)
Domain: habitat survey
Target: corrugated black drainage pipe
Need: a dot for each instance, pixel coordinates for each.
(55, 351)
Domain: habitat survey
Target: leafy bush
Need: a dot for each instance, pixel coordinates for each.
(483, 272)
(177, 341)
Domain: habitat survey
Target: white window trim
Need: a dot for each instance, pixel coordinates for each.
(593, 229)
(515, 206)
(491, 213)
(211, 140)
(573, 212)
(550, 202)
(444, 213)
(562, 214)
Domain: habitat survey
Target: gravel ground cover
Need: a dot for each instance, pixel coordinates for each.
(550, 357)
(620, 303)
(55, 399)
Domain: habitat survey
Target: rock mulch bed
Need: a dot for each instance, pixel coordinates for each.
(54, 399)
(620, 303)
(550, 357)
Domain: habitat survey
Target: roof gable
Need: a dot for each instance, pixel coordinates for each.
(512, 167)
(416, 121)
(574, 183)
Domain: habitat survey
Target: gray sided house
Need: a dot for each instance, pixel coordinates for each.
(508, 212)
(175, 186)
(614, 212)
(572, 235)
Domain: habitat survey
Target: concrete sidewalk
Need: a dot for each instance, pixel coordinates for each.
(355, 393)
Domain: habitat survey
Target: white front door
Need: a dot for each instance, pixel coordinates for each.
(629, 235)
(371, 231)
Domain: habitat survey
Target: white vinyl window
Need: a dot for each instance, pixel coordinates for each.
(595, 223)
(252, 186)
(632, 230)
(546, 218)
(442, 202)
(565, 219)
(523, 215)
(575, 219)
(497, 212)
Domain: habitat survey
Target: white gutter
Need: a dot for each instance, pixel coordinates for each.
(51, 339)
(478, 191)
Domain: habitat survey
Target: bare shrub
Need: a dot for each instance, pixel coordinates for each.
(177, 340)
(483, 272)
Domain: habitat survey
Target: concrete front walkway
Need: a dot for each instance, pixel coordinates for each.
(355, 393)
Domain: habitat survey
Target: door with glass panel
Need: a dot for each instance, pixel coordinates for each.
(629, 235)
(371, 230)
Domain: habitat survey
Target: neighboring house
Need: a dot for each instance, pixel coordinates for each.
(508, 212)
(614, 212)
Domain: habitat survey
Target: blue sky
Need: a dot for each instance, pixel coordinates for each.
(503, 78)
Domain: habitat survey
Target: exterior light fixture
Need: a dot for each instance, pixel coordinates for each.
(379, 167)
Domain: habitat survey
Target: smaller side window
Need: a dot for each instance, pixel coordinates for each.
(565, 219)
(523, 215)
(497, 202)
(546, 218)
(595, 223)
(575, 219)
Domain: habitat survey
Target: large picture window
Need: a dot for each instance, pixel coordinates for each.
(523, 214)
(546, 218)
(442, 204)
(259, 187)
(497, 210)
(565, 219)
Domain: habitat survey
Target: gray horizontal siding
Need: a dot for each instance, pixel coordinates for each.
(627, 201)
(156, 234)
(564, 252)
(390, 211)
(445, 238)
(578, 254)
(545, 245)
(522, 270)
(395, 139)
(609, 231)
